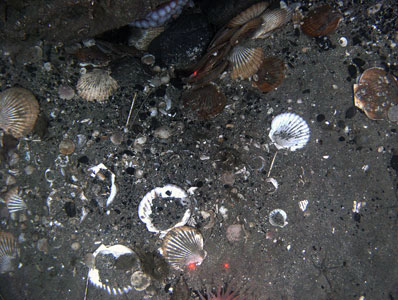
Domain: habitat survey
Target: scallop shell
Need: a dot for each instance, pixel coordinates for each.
(13, 201)
(204, 103)
(320, 21)
(270, 74)
(18, 111)
(289, 131)
(96, 85)
(8, 251)
(245, 61)
(278, 218)
(183, 247)
(375, 93)
(252, 12)
(272, 20)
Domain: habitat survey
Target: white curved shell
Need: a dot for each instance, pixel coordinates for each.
(183, 247)
(278, 218)
(167, 191)
(289, 131)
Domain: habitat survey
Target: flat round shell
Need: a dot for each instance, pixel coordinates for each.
(245, 61)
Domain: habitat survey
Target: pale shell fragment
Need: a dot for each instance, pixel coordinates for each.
(289, 131)
(140, 281)
(183, 247)
(303, 205)
(167, 191)
(113, 186)
(278, 218)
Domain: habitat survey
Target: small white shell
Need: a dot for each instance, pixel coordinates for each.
(343, 42)
(278, 218)
(183, 247)
(168, 191)
(13, 201)
(289, 131)
(303, 204)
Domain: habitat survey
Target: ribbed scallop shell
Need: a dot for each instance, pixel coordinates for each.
(289, 131)
(375, 93)
(245, 61)
(182, 247)
(320, 21)
(272, 20)
(14, 201)
(18, 111)
(270, 74)
(8, 251)
(96, 85)
(248, 14)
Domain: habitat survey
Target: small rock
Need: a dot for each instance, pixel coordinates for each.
(116, 138)
(75, 246)
(234, 232)
(66, 147)
(65, 92)
(163, 132)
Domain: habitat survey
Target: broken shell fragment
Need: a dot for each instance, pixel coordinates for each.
(8, 251)
(14, 201)
(270, 74)
(96, 85)
(375, 93)
(320, 21)
(18, 111)
(157, 216)
(183, 247)
(245, 61)
(140, 281)
(289, 131)
(278, 218)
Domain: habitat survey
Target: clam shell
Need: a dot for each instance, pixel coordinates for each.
(289, 131)
(248, 14)
(18, 111)
(96, 85)
(204, 103)
(272, 20)
(270, 74)
(183, 247)
(245, 61)
(375, 93)
(320, 20)
(8, 251)
(13, 201)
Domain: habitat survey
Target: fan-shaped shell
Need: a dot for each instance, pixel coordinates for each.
(204, 103)
(375, 92)
(248, 14)
(289, 131)
(183, 247)
(96, 85)
(272, 20)
(245, 61)
(8, 251)
(320, 21)
(18, 111)
(269, 75)
(14, 201)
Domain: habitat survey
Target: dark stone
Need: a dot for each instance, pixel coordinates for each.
(130, 171)
(70, 209)
(350, 113)
(394, 162)
(83, 160)
(359, 62)
(352, 70)
(320, 117)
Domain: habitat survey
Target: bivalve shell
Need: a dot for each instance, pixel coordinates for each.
(289, 131)
(18, 111)
(14, 201)
(96, 85)
(272, 20)
(375, 93)
(183, 247)
(320, 21)
(270, 74)
(252, 12)
(8, 251)
(245, 61)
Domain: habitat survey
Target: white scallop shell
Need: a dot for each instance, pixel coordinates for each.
(278, 218)
(289, 131)
(183, 247)
(167, 191)
(13, 201)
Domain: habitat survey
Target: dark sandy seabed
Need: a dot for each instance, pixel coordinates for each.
(326, 252)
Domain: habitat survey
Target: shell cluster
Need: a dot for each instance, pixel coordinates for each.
(8, 251)
(183, 247)
(96, 85)
(161, 15)
(19, 110)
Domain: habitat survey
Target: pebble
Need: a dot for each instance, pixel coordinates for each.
(163, 132)
(29, 170)
(65, 92)
(234, 232)
(116, 138)
(75, 246)
(66, 147)
(165, 79)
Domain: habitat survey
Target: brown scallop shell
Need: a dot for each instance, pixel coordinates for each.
(245, 61)
(375, 93)
(272, 20)
(252, 12)
(96, 85)
(320, 20)
(270, 74)
(246, 31)
(18, 111)
(204, 103)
